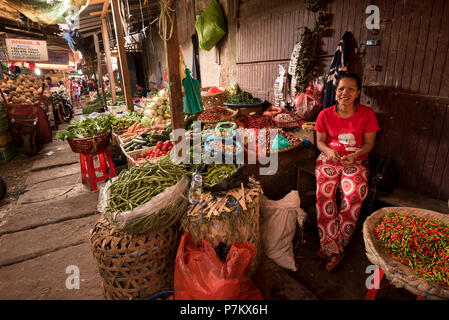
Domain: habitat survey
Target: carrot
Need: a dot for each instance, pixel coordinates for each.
(131, 129)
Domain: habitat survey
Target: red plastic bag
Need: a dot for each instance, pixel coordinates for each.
(308, 104)
(201, 275)
(213, 90)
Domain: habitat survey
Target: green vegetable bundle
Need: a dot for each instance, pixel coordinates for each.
(146, 198)
(87, 128)
(242, 97)
(125, 120)
(218, 172)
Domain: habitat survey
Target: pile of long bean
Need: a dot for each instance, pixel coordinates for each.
(217, 172)
(136, 186)
(420, 243)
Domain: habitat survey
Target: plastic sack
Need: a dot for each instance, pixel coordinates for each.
(280, 143)
(168, 205)
(308, 104)
(210, 26)
(278, 228)
(201, 275)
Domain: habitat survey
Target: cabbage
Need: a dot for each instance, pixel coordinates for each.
(146, 121)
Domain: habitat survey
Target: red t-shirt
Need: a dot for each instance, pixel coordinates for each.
(346, 135)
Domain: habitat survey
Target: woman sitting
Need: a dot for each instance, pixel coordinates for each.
(346, 133)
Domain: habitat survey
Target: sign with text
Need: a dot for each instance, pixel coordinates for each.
(58, 57)
(27, 50)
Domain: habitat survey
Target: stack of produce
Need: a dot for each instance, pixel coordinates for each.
(93, 105)
(420, 243)
(218, 172)
(242, 98)
(258, 122)
(145, 140)
(272, 111)
(157, 110)
(24, 89)
(216, 114)
(160, 150)
(146, 198)
(125, 120)
(253, 143)
(87, 128)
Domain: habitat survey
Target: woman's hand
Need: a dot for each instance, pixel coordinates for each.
(333, 155)
(348, 159)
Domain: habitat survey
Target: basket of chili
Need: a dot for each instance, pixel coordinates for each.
(411, 246)
(217, 114)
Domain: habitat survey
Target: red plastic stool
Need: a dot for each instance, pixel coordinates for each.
(106, 166)
(372, 293)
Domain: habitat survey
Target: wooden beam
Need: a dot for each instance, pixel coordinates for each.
(120, 38)
(171, 48)
(131, 8)
(105, 8)
(100, 74)
(107, 51)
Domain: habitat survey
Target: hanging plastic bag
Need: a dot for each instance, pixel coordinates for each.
(210, 26)
(308, 104)
(201, 275)
(278, 228)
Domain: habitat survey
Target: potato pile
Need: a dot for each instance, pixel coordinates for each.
(25, 89)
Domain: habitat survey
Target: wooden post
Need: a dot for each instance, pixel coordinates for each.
(171, 48)
(107, 51)
(100, 75)
(120, 38)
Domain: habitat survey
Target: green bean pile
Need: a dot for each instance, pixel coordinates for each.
(136, 186)
(217, 172)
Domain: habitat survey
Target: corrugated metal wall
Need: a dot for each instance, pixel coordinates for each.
(410, 92)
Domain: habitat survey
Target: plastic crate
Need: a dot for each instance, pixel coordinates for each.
(5, 138)
(7, 153)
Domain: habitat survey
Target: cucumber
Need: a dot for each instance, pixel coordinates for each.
(139, 141)
(128, 144)
(159, 137)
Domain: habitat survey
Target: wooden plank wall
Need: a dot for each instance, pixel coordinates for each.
(410, 92)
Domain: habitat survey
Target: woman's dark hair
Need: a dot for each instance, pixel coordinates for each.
(48, 78)
(351, 76)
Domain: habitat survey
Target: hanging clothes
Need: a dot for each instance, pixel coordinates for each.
(195, 63)
(339, 66)
(192, 99)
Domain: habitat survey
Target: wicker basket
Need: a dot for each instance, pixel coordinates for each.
(234, 115)
(213, 100)
(134, 266)
(286, 124)
(399, 274)
(89, 145)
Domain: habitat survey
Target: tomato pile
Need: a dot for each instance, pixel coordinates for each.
(216, 114)
(161, 149)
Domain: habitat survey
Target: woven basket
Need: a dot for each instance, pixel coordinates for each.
(286, 124)
(89, 145)
(218, 227)
(213, 100)
(134, 266)
(228, 118)
(399, 274)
